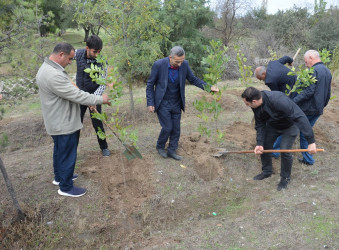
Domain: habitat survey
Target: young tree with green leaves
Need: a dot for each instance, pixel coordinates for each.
(123, 133)
(304, 79)
(211, 109)
(244, 70)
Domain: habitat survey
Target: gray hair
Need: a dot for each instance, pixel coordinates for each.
(177, 51)
(312, 53)
(259, 70)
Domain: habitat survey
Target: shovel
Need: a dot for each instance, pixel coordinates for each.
(223, 151)
(296, 54)
(130, 151)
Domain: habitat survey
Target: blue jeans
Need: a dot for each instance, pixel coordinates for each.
(169, 117)
(276, 145)
(288, 138)
(303, 142)
(64, 158)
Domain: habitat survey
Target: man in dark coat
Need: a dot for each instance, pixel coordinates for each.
(165, 93)
(275, 75)
(276, 78)
(313, 99)
(84, 58)
(275, 114)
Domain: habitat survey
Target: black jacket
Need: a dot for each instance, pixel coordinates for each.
(276, 74)
(83, 80)
(280, 112)
(315, 97)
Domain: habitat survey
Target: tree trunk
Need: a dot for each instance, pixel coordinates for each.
(87, 30)
(130, 90)
(21, 214)
(95, 32)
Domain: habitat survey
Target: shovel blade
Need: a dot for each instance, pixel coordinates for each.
(131, 153)
(220, 152)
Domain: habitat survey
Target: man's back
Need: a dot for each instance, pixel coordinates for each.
(315, 97)
(277, 74)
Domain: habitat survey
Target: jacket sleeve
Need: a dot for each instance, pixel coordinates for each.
(193, 79)
(273, 86)
(62, 87)
(328, 93)
(306, 94)
(293, 112)
(286, 59)
(151, 82)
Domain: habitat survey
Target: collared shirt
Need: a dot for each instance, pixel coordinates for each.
(173, 73)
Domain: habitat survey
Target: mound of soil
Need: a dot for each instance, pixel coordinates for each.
(125, 184)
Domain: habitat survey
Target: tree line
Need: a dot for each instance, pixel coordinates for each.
(141, 31)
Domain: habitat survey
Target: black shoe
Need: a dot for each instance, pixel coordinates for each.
(105, 152)
(302, 161)
(261, 176)
(174, 156)
(162, 152)
(283, 183)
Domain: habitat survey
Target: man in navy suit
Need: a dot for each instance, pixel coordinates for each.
(165, 93)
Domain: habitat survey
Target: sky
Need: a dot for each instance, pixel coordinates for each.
(274, 5)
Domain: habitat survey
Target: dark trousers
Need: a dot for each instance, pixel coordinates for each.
(169, 117)
(287, 141)
(64, 158)
(96, 124)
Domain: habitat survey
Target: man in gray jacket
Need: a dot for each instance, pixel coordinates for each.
(60, 102)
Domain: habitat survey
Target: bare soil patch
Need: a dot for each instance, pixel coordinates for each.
(154, 203)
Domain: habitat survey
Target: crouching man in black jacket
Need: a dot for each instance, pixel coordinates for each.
(275, 114)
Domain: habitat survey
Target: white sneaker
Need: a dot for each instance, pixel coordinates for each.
(56, 183)
(74, 192)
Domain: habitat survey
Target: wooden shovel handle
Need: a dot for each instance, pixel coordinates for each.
(296, 54)
(274, 151)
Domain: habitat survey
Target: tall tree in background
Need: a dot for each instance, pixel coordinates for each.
(257, 18)
(290, 28)
(186, 18)
(227, 22)
(19, 44)
(60, 17)
(325, 32)
(136, 34)
(91, 15)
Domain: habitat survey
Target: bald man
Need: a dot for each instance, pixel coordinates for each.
(275, 75)
(314, 98)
